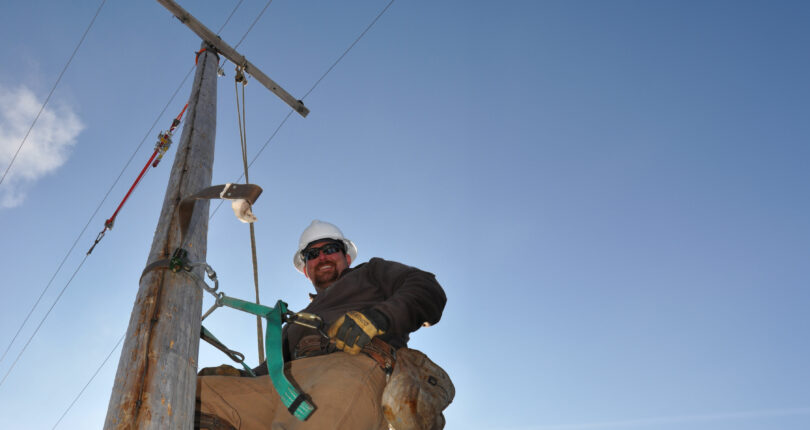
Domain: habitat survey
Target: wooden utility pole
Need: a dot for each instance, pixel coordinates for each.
(157, 373)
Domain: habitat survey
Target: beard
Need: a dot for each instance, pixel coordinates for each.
(326, 277)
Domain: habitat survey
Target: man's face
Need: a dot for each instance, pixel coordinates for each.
(325, 269)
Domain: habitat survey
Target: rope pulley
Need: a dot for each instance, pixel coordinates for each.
(240, 75)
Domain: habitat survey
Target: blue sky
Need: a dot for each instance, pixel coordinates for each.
(613, 195)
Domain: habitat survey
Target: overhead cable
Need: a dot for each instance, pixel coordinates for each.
(227, 20)
(374, 21)
(100, 366)
(252, 24)
(250, 164)
(47, 99)
(41, 322)
(95, 212)
(93, 215)
(368, 27)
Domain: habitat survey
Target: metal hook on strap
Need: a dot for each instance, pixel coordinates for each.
(305, 319)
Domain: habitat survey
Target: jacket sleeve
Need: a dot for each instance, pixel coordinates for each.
(413, 296)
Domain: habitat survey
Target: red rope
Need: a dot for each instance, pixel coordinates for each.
(197, 57)
(162, 145)
(177, 120)
(109, 223)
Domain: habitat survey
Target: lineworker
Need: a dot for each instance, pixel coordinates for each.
(369, 312)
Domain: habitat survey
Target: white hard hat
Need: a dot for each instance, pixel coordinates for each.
(318, 230)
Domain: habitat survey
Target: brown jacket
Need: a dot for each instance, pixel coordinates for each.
(408, 296)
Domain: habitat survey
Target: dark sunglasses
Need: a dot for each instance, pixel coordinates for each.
(312, 253)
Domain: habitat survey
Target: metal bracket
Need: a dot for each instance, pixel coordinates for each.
(179, 261)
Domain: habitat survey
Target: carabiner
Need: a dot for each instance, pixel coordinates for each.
(306, 319)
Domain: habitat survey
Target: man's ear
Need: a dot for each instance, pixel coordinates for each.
(348, 259)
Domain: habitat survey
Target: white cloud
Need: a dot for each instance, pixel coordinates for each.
(46, 148)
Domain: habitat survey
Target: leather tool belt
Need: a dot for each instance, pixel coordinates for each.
(384, 354)
(379, 350)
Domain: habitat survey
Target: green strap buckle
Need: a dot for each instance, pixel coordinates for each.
(179, 261)
(295, 401)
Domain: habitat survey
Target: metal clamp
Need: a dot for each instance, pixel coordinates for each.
(179, 261)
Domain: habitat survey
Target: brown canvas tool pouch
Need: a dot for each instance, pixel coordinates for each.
(417, 393)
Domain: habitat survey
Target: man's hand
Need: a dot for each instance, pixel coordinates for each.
(354, 330)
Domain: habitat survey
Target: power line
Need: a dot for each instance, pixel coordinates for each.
(374, 21)
(95, 212)
(15, 157)
(52, 90)
(230, 16)
(315, 85)
(88, 382)
(252, 24)
(92, 216)
(42, 321)
(78, 237)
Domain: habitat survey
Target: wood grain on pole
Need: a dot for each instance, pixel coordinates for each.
(156, 378)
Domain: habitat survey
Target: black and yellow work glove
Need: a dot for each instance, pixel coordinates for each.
(354, 330)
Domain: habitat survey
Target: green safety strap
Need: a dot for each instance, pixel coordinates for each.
(295, 401)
